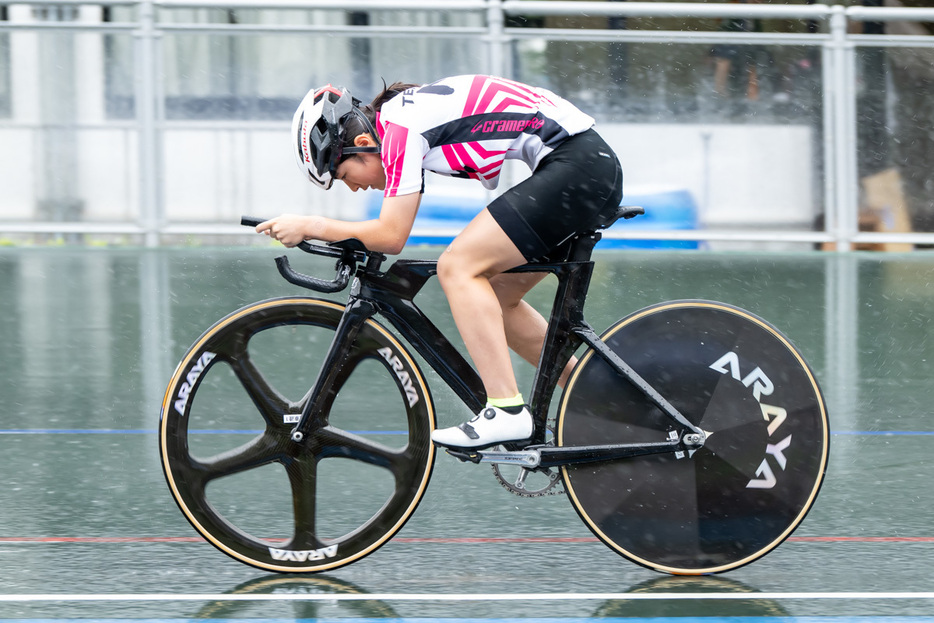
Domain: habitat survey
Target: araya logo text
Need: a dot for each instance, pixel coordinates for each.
(181, 400)
(404, 378)
(775, 416)
(302, 555)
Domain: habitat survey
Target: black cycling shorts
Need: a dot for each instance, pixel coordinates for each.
(575, 188)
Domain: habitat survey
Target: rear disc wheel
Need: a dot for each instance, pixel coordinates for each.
(740, 495)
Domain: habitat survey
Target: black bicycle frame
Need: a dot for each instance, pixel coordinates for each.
(391, 293)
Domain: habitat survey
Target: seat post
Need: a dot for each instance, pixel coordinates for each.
(581, 247)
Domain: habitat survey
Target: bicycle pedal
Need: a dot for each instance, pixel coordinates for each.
(465, 456)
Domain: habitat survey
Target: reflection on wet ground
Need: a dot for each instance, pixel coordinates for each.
(90, 337)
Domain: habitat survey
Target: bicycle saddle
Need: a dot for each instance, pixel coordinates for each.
(624, 212)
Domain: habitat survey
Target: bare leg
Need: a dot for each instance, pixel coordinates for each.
(466, 269)
(481, 251)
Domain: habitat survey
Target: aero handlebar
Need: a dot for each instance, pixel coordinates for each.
(348, 253)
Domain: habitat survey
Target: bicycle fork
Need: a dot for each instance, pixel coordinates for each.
(313, 414)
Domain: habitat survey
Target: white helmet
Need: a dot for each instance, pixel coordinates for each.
(318, 129)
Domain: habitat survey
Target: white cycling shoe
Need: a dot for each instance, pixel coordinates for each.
(489, 427)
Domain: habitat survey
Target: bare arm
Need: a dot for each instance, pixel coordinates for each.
(386, 234)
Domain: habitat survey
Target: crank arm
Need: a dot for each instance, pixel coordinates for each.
(523, 458)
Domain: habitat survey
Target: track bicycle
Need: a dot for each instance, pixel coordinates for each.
(691, 437)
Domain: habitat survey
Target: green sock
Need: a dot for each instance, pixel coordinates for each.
(502, 403)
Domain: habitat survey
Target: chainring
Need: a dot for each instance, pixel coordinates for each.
(530, 483)
(547, 481)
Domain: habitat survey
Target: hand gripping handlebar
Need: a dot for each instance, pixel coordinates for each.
(348, 255)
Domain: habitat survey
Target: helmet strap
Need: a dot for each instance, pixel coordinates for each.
(374, 149)
(370, 129)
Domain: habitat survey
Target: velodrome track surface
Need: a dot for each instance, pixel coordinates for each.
(88, 529)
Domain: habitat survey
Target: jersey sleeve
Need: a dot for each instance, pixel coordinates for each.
(402, 153)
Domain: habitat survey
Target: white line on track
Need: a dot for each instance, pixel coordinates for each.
(455, 596)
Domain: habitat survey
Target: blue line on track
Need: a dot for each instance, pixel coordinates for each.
(882, 433)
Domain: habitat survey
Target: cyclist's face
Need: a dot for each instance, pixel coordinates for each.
(362, 171)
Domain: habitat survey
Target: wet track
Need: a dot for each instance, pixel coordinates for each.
(88, 529)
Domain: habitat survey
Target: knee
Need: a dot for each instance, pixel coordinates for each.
(450, 271)
(455, 271)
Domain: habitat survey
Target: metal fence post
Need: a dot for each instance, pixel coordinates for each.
(150, 192)
(841, 322)
(840, 81)
(842, 316)
(496, 37)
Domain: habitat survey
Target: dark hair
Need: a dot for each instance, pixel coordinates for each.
(388, 93)
(354, 126)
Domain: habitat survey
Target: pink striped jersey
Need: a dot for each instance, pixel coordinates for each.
(466, 126)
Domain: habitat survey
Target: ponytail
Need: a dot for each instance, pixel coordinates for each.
(390, 92)
(355, 127)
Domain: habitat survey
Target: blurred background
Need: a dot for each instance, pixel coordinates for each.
(751, 125)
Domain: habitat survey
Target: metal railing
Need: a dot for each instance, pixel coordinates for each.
(838, 51)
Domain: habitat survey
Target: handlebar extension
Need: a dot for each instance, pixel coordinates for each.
(315, 249)
(345, 264)
(313, 283)
(251, 221)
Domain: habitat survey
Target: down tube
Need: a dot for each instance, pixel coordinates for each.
(438, 351)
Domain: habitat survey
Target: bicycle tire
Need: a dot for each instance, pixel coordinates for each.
(303, 517)
(739, 496)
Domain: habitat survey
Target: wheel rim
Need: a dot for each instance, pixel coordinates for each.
(208, 465)
(731, 501)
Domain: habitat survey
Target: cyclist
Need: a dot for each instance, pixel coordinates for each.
(464, 126)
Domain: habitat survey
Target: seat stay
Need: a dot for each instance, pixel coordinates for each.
(590, 337)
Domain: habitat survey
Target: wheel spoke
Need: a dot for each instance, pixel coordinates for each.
(259, 451)
(334, 442)
(303, 479)
(271, 404)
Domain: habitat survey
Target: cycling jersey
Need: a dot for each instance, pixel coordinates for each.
(466, 126)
